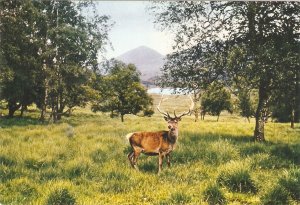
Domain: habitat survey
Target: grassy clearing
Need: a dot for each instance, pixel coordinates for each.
(83, 160)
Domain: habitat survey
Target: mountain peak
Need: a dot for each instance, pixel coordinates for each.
(140, 50)
(147, 60)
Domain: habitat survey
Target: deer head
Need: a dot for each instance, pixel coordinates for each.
(173, 121)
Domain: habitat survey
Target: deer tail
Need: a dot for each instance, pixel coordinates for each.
(129, 135)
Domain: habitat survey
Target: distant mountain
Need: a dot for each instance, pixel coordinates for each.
(147, 61)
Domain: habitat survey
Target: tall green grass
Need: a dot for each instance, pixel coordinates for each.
(83, 160)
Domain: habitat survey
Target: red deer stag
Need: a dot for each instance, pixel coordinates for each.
(160, 143)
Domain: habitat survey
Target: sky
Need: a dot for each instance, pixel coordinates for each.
(133, 27)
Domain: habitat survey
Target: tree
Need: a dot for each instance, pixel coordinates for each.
(19, 52)
(191, 67)
(121, 92)
(216, 99)
(71, 46)
(261, 35)
(256, 31)
(246, 104)
(192, 71)
(50, 51)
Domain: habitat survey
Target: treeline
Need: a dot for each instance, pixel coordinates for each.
(249, 47)
(49, 55)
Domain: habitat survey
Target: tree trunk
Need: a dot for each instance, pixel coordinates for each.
(293, 118)
(44, 102)
(218, 118)
(23, 108)
(196, 110)
(259, 132)
(122, 117)
(12, 108)
(196, 103)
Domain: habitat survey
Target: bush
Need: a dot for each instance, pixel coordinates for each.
(61, 197)
(214, 196)
(276, 196)
(237, 179)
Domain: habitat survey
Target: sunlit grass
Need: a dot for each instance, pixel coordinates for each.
(83, 159)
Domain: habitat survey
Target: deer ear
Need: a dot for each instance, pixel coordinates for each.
(166, 118)
(179, 119)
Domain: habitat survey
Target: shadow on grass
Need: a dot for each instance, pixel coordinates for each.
(218, 149)
(20, 121)
(73, 120)
(148, 166)
(209, 137)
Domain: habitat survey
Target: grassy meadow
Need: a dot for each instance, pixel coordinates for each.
(83, 160)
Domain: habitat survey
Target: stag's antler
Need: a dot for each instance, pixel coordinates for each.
(188, 112)
(166, 114)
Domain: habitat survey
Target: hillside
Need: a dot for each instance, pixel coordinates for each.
(147, 60)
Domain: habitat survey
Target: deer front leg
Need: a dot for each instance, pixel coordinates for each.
(168, 160)
(160, 161)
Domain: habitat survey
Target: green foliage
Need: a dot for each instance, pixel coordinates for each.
(61, 197)
(216, 99)
(122, 92)
(246, 104)
(254, 51)
(214, 196)
(49, 59)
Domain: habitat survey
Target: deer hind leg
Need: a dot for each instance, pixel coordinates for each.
(130, 157)
(136, 153)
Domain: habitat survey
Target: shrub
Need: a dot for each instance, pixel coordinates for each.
(61, 197)
(214, 196)
(237, 179)
(276, 196)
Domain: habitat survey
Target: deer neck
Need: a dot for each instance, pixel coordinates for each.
(173, 135)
